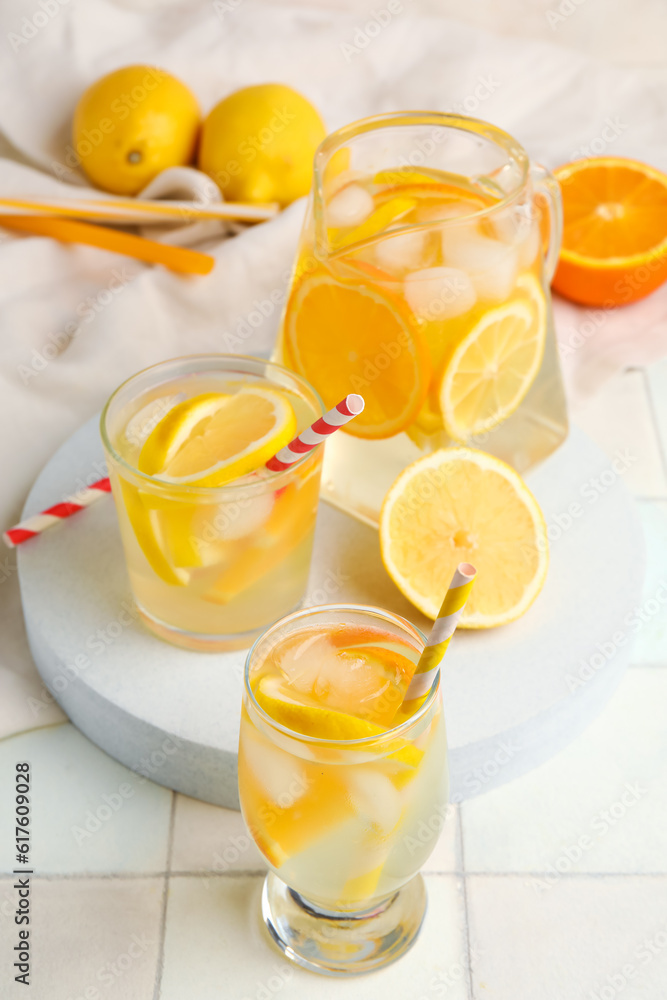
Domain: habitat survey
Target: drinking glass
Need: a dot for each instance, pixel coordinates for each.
(210, 567)
(344, 825)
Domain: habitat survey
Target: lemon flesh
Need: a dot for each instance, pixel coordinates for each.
(311, 720)
(207, 440)
(211, 439)
(459, 505)
(170, 433)
(494, 366)
(327, 723)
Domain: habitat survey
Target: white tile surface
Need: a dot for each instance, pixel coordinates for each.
(577, 812)
(446, 853)
(25, 702)
(651, 638)
(207, 838)
(214, 938)
(656, 377)
(89, 814)
(619, 420)
(95, 935)
(585, 935)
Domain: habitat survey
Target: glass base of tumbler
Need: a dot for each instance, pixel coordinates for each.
(343, 944)
(197, 641)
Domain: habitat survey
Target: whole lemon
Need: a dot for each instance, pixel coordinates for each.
(132, 124)
(258, 144)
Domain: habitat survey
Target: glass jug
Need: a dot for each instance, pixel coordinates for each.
(422, 282)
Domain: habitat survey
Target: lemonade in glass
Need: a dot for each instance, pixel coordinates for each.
(338, 777)
(422, 283)
(216, 546)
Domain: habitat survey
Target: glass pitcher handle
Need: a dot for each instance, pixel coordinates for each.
(545, 184)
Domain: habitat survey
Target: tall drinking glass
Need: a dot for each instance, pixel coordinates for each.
(337, 803)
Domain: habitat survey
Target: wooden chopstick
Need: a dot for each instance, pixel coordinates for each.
(175, 258)
(127, 211)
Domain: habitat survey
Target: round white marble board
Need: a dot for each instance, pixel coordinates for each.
(514, 696)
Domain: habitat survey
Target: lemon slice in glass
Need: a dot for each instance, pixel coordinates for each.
(211, 439)
(494, 366)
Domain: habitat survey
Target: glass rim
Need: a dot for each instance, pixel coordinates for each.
(444, 119)
(228, 489)
(363, 741)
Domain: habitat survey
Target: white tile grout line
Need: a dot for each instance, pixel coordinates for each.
(237, 873)
(35, 729)
(165, 901)
(83, 876)
(464, 889)
(572, 876)
(662, 445)
(144, 876)
(253, 873)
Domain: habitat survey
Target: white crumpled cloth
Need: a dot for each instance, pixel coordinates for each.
(75, 321)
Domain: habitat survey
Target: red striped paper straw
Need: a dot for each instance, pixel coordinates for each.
(341, 414)
(70, 505)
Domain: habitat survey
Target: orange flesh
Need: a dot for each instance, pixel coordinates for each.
(613, 212)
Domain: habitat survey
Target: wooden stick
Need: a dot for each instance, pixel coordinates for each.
(127, 211)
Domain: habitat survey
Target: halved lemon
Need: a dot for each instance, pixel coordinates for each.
(210, 439)
(494, 366)
(459, 505)
(351, 337)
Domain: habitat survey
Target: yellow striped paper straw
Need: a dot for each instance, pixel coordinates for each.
(442, 631)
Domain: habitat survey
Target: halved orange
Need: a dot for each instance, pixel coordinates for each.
(615, 231)
(351, 337)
